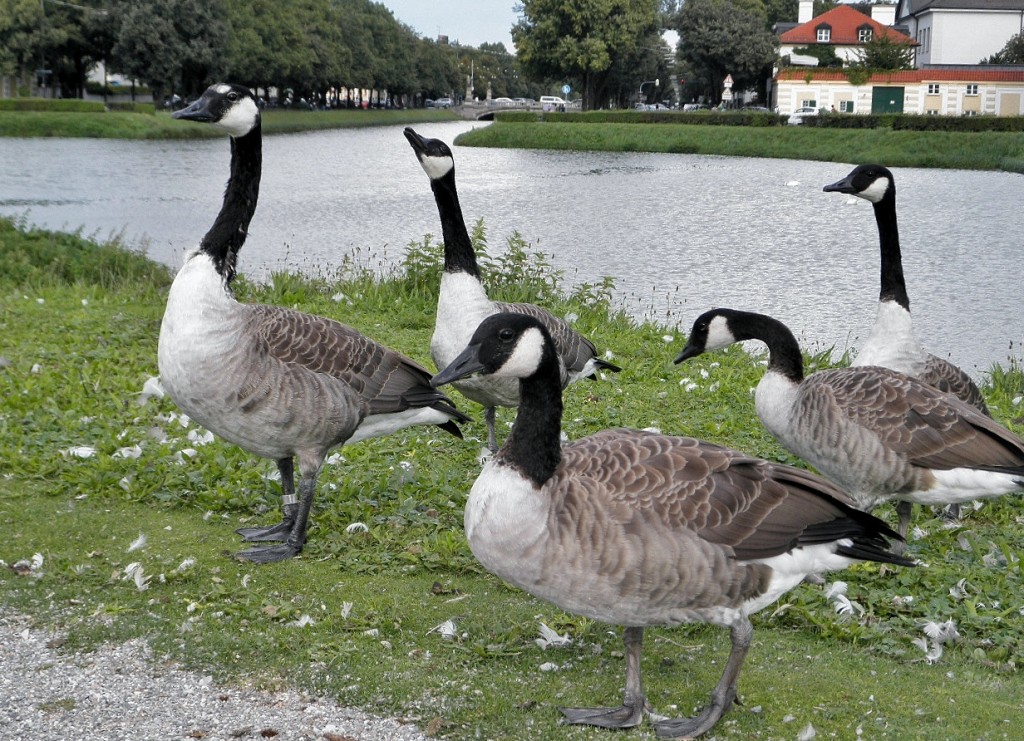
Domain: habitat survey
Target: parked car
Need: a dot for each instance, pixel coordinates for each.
(797, 117)
(503, 101)
(444, 103)
(690, 107)
(525, 101)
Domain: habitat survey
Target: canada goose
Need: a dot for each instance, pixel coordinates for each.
(462, 302)
(892, 342)
(278, 383)
(638, 528)
(878, 434)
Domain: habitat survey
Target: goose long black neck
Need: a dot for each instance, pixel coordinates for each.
(784, 354)
(893, 285)
(534, 446)
(458, 247)
(227, 235)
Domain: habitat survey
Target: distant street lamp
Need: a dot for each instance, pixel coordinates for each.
(654, 82)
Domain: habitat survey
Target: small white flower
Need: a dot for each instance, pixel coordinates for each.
(40, 300)
(668, 338)
(139, 542)
(1017, 400)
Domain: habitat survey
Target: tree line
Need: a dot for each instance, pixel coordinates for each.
(308, 46)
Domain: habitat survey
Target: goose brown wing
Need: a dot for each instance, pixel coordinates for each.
(756, 508)
(573, 348)
(927, 427)
(947, 377)
(386, 379)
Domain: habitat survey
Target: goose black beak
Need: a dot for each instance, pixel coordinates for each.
(198, 111)
(690, 351)
(465, 365)
(841, 186)
(419, 143)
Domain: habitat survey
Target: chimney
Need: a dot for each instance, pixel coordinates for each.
(806, 11)
(884, 14)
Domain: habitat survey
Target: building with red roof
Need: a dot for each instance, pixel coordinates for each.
(843, 30)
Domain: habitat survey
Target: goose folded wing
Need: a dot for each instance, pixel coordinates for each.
(387, 380)
(947, 377)
(756, 508)
(926, 426)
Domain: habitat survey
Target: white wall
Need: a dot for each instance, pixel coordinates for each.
(966, 37)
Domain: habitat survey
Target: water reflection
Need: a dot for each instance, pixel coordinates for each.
(679, 233)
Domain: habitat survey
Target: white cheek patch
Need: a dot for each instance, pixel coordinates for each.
(719, 334)
(437, 167)
(876, 191)
(240, 118)
(223, 89)
(525, 359)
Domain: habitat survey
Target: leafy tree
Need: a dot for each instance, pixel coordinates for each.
(580, 41)
(436, 73)
(172, 45)
(1012, 53)
(883, 52)
(824, 53)
(718, 38)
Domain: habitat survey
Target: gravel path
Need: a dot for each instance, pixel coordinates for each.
(119, 693)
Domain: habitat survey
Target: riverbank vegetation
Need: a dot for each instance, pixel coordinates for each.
(128, 125)
(88, 463)
(969, 151)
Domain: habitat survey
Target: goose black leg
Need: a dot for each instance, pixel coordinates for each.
(289, 506)
(633, 703)
(724, 695)
(297, 537)
(492, 435)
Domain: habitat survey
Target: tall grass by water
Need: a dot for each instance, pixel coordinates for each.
(87, 463)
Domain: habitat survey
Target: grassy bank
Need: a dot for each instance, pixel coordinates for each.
(86, 465)
(124, 125)
(972, 151)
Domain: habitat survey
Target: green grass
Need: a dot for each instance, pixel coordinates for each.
(973, 151)
(78, 352)
(162, 126)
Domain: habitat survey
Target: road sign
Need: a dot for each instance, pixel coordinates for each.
(728, 81)
(566, 89)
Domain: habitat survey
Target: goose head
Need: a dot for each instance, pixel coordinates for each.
(434, 155)
(504, 345)
(230, 108)
(713, 330)
(870, 182)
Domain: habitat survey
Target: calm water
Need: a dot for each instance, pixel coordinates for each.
(679, 233)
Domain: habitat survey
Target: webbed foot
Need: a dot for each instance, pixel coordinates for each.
(279, 532)
(702, 723)
(271, 554)
(626, 716)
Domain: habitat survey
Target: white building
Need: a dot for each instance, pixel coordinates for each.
(960, 31)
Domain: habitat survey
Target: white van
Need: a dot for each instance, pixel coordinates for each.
(552, 103)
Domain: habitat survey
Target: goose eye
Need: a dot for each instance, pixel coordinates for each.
(232, 96)
(506, 335)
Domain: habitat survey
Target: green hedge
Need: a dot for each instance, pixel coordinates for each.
(517, 117)
(47, 104)
(915, 122)
(698, 118)
(130, 107)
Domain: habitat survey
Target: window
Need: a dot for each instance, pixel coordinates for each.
(970, 113)
(864, 35)
(972, 89)
(846, 106)
(931, 112)
(824, 34)
(808, 103)
(933, 88)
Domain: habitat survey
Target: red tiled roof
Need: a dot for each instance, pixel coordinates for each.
(963, 74)
(844, 22)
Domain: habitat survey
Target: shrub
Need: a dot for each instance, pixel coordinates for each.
(698, 118)
(47, 104)
(914, 122)
(131, 107)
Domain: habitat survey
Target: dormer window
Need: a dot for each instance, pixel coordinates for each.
(824, 34)
(864, 34)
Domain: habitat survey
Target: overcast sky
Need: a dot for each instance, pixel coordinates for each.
(470, 22)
